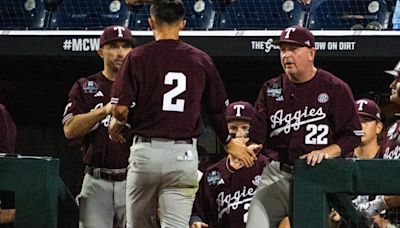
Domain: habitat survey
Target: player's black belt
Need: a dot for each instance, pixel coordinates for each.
(106, 174)
(178, 141)
(286, 167)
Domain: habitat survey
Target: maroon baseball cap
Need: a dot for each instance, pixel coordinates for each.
(297, 35)
(369, 108)
(396, 71)
(114, 33)
(240, 110)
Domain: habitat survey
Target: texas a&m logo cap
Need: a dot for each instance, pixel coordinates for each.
(115, 33)
(297, 35)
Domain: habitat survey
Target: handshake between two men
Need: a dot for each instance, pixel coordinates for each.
(246, 154)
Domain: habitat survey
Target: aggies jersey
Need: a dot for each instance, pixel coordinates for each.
(166, 83)
(88, 94)
(392, 151)
(392, 142)
(296, 118)
(224, 197)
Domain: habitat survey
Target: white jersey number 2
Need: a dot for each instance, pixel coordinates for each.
(317, 134)
(179, 104)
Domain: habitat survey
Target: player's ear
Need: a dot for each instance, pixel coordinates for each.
(379, 127)
(151, 23)
(182, 24)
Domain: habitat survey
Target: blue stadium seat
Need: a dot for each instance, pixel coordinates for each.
(22, 14)
(396, 17)
(89, 14)
(260, 14)
(138, 15)
(344, 14)
(199, 14)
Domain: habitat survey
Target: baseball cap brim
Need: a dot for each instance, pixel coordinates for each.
(229, 118)
(368, 115)
(393, 72)
(130, 41)
(279, 42)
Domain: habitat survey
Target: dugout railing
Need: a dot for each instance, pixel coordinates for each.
(316, 189)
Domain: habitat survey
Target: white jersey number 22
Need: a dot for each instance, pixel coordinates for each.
(317, 134)
(168, 104)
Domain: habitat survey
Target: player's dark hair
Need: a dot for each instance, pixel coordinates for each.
(168, 11)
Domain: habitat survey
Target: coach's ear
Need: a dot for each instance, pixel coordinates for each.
(311, 54)
(100, 52)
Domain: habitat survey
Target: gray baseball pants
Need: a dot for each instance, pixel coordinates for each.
(270, 203)
(101, 201)
(163, 173)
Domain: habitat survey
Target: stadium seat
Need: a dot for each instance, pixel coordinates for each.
(344, 14)
(396, 17)
(89, 14)
(199, 14)
(22, 14)
(138, 15)
(259, 14)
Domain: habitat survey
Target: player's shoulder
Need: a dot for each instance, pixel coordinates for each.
(194, 52)
(90, 82)
(214, 174)
(139, 50)
(216, 166)
(193, 49)
(275, 81)
(328, 77)
(262, 158)
(3, 111)
(92, 77)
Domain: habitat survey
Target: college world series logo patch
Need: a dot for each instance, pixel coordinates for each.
(213, 177)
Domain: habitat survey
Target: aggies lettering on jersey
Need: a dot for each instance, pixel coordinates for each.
(88, 94)
(227, 193)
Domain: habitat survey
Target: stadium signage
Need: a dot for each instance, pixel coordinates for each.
(81, 44)
(336, 45)
(268, 46)
(215, 43)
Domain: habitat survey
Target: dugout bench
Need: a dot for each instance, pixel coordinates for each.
(329, 183)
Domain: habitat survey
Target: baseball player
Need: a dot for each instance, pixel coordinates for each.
(371, 123)
(88, 115)
(304, 113)
(226, 188)
(166, 82)
(370, 147)
(391, 151)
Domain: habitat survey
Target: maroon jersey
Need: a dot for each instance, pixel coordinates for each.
(223, 198)
(296, 118)
(88, 94)
(378, 154)
(392, 151)
(392, 142)
(166, 83)
(8, 131)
